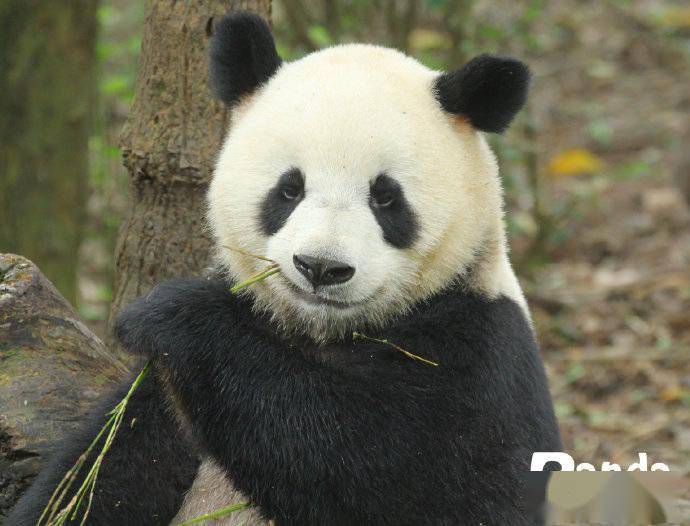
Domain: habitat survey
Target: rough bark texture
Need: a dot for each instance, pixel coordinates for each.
(52, 369)
(169, 145)
(47, 66)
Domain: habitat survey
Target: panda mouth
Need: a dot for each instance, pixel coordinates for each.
(314, 298)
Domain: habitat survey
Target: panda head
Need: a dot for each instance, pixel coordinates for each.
(361, 172)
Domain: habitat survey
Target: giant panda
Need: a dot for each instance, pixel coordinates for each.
(367, 177)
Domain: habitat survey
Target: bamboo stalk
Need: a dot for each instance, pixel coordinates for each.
(217, 514)
(360, 336)
(247, 253)
(256, 278)
(69, 478)
(88, 485)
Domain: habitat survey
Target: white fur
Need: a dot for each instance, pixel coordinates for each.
(212, 491)
(343, 116)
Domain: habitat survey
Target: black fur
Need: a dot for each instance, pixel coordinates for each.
(144, 475)
(243, 56)
(397, 220)
(281, 200)
(355, 432)
(488, 90)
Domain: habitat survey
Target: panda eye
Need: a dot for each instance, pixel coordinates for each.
(290, 186)
(383, 192)
(290, 193)
(384, 200)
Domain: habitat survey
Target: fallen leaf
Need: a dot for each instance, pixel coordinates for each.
(671, 393)
(574, 161)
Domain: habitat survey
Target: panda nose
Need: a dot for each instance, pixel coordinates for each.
(321, 271)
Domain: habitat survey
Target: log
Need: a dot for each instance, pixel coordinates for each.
(52, 370)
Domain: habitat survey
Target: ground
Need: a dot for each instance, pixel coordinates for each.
(612, 313)
(610, 292)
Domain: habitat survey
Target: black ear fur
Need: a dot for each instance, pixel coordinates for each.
(489, 90)
(243, 56)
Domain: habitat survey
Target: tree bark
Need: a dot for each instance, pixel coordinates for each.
(47, 66)
(52, 370)
(169, 145)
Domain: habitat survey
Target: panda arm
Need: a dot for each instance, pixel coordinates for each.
(346, 436)
(143, 476)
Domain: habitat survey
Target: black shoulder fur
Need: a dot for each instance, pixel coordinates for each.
(367, 436)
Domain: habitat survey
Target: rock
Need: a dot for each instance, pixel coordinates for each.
(52, 370)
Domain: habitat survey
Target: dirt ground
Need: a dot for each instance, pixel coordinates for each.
(613, 317)
(612, 302)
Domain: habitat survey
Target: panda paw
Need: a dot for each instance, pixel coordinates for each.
(177, 316)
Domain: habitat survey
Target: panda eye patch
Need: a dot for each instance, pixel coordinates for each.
(393, 213)
(281, 200)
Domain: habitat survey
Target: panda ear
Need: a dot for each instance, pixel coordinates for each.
(489, 91)
(243, 56)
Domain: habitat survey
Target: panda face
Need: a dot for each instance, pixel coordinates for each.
(347, 171)
(341, 173)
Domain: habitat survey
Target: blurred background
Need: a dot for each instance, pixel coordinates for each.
(596, 171)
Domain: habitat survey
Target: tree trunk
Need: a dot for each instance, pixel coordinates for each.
(52, 369)
(47, 64)
(169, 145)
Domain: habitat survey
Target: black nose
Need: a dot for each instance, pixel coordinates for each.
(323, 271)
